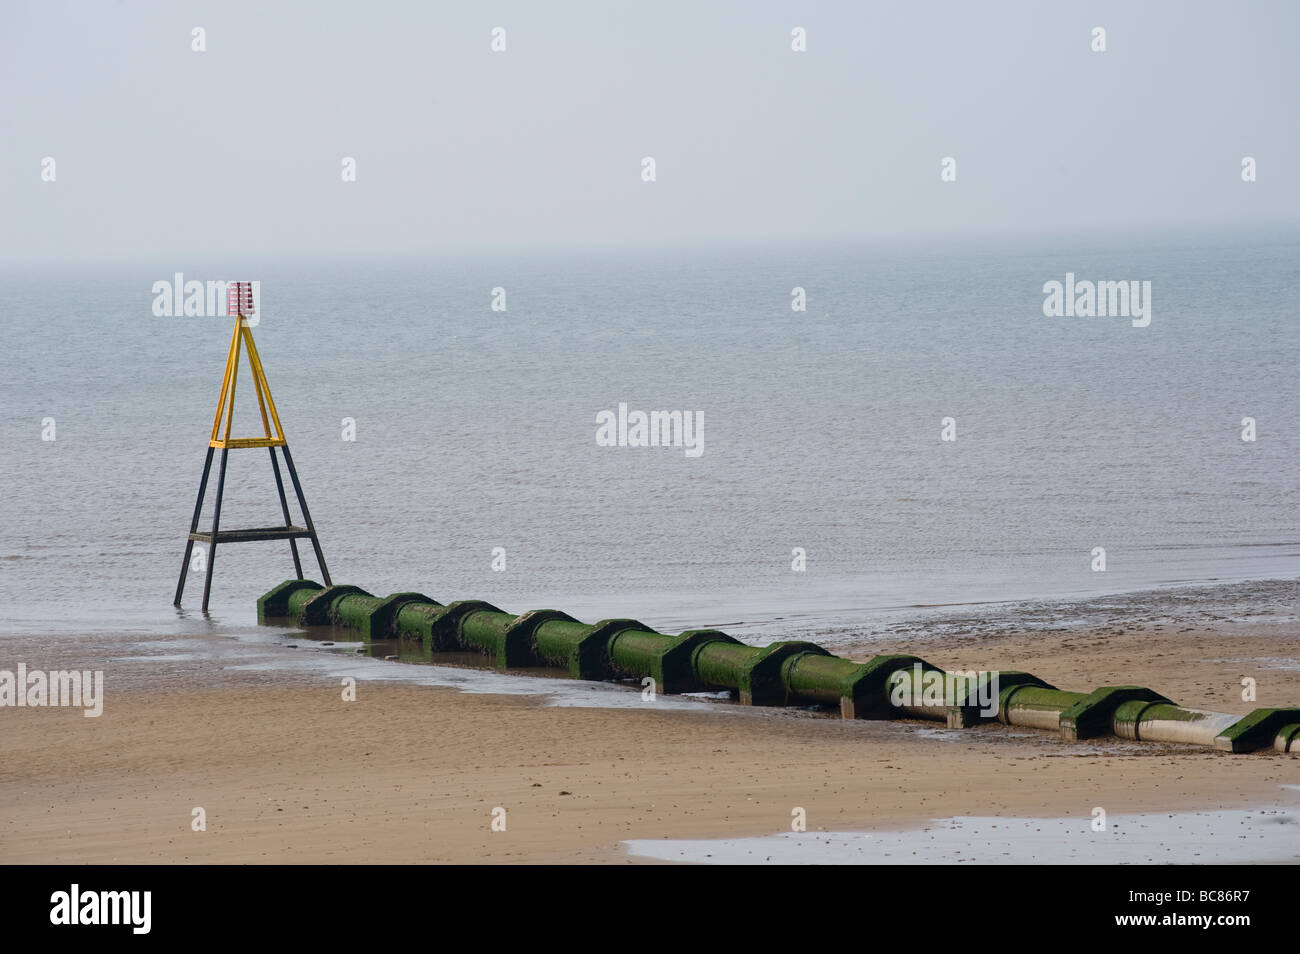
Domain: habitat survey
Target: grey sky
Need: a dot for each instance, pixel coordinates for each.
(162, 151)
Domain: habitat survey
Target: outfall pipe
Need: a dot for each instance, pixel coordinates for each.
(778, 674)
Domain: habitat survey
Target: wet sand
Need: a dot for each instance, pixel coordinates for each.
(292, 773)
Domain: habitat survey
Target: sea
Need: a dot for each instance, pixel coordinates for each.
(918, 443)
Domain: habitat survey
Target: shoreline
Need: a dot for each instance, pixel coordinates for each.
(1240, 598)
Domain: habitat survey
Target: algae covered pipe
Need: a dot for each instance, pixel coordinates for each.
(780, 674)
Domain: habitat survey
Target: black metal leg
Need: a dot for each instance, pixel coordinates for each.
(216, 522)
(284, 507)
(306, 514)
(194, 526)
(297, 561)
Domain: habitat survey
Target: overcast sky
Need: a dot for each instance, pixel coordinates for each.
(162, 150)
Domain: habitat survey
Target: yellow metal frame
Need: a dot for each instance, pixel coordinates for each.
(243, 338)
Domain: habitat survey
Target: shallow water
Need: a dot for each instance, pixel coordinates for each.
(1209, 837)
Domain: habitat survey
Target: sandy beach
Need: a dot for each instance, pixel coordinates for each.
(292, 773)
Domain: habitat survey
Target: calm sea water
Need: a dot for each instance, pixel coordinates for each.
(476, 429)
